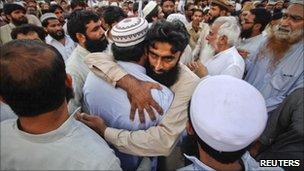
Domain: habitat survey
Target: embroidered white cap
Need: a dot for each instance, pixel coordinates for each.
(227, 113)
(129, 31)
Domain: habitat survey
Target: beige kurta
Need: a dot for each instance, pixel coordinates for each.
(157, 140)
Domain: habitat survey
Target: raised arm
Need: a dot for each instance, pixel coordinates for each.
(158, 140)
(139, 92)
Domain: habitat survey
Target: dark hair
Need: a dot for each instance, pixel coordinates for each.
(164, 31)
(26, 28)
(127, 54)
(262, 16)
(220, 156)
(135, 7)
(77, 22)
(153, 13)
(75, 3)
(45, 22)
(163, 1)
(54, 7)
(113, 14)
(32, 77)
(221, 7)
(196, 10)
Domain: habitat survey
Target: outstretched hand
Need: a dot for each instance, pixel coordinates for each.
(139, 94)
(94, 122)
(198, 68)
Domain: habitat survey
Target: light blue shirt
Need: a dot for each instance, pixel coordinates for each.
(249, 163)
(112, 104)
(277, 83)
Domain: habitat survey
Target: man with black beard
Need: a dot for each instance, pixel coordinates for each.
(112, 104)
(165, 42)
(218, 8)
(277, 68)
(56, 35)
(85, 29)
(253, 25)
(15, 12)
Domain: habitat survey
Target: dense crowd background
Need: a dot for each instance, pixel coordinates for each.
(165, 84)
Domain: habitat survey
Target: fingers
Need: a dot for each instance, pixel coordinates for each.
(150, 112)
(132, 111)
(157, 107)
(141, 115)
(154, 85)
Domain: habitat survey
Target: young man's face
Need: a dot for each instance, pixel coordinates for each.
(168, 8)
(59, 13)
(18, 17)
(197, 17)
(54, 28)
(162, 65)
(95, 37)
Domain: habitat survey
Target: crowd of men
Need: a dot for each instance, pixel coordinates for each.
(151, 85)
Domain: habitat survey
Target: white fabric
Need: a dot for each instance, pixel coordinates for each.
(65, 50)
(249, 163)
(47, 16)
(129, 31)
(103, 99)
(73, 146)
(252, 44)
(76, 67)
(149, 8)
(232, 119)
(6, 112)
(179, 17)
(187, 55)
(228, 62)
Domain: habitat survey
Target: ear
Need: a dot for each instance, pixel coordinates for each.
(69, 81)
(189, 128)
(81, 38)
(223, 13)
(223, 40)
(1, 99)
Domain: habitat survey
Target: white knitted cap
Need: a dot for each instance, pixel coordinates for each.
(227, 113)
(129, 31)
(47, 16)
(149, 8)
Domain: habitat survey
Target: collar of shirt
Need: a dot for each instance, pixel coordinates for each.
(200, 28)
(11, 25)
(52, 136)
(197, 163)
(50, 39)
(132, 67)
(231, 50)
(82, 52)
(252, 39)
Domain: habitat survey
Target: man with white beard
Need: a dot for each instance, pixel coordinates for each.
(277, 68)
(222, 58)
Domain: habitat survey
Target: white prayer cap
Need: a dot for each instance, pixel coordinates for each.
(47, 16)
(149, 8)
(272, 2)
(301, 2)
(227, 113)
(129, 31)
(177, 16)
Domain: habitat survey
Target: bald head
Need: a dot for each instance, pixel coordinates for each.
(32, 77)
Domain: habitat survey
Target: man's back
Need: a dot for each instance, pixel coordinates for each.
(103, 99)
(73, 146)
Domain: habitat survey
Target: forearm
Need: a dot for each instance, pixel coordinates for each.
(104, 66)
